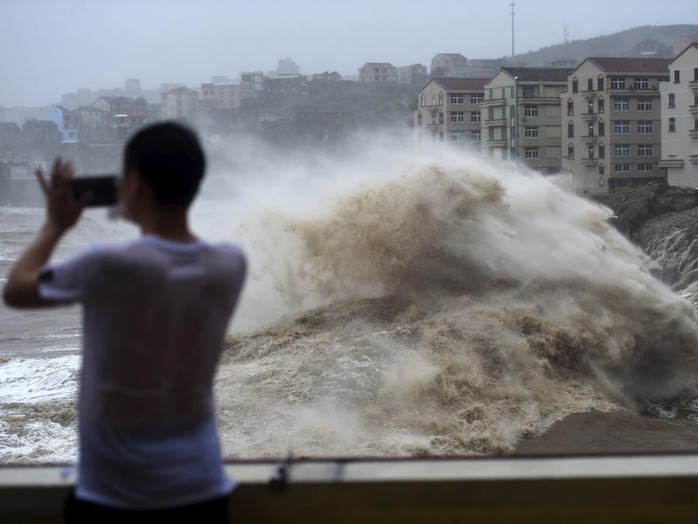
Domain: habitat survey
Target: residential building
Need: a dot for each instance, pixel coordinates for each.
(521, 116)
(378, 72)
(223, 96)
(611, 128)
(679, 124)
(67, 122)
(179, 103)
(415, 74)
(287, 67)
(449, 65)
(448, 109)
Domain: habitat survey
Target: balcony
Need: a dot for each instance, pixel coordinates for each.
(693, 159)
(589, 139)
(498, 122)
(589, 161)
(589, 117)
(672, 162)
(693, 109)
(693, 133)
(693, 84)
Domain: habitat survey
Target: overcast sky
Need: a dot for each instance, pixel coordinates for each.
(50, 47)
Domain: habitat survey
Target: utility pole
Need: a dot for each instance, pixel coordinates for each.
(513, 4)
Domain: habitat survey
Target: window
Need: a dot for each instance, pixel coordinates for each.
(575, 85)
(644, 127)
(621, 151)
(490, 113)
(645, 150)
(475, 116)
(645, 167)
(490, 93)
(672, 124)
(617, 82)
(570, 107)
(476, 135)
(590, 152)
(419, 118)
(590, 129)
(695, 74)
(602, 150)
(602, 128)
(621, 127)
(602, 171)
(530, 110)
(529, 91)
(457, 117)
(602, 105)
(570, 129)
(672, 100)
(441, 99)
(457, 136)
(531, 152)
(677, 76)
(642, 83)
(531, 132)
(476, 99)
(441, 118)
(621, 104)
(590, 84)
(590, 106)
(644, 104)
(599, 83)
(570, 152)
(621, 168)
(457, 98)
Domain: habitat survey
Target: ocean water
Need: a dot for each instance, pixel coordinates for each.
(402, 301)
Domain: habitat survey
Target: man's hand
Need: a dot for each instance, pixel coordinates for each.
(62, 212)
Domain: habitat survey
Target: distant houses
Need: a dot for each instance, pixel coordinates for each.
(608, 123)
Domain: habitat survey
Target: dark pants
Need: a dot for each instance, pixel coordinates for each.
(78, 511)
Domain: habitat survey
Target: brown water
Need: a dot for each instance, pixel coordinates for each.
(400, 304)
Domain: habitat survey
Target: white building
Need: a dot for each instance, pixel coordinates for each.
(179, 103)
(679, 126)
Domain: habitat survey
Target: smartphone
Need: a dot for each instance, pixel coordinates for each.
(103, 189)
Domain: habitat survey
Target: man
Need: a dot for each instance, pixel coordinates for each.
(155, 316)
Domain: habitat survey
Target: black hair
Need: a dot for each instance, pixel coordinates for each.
(169, 157)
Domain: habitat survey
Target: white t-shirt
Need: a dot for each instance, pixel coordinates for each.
(155, 318)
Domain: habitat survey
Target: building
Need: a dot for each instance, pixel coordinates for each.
(448, 109)
(287, 67)
(679, 124)
(67, 122)
(611, 138)
(521, 116)
(179, 103)
(223, 96)
(415, 74)
(449, 65)
(378, 72)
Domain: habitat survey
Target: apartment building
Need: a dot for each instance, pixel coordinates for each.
(449, 65)
(378, 72)
(179, 103)
(679, 124)
(521, 116)
(448, 109)
(611, 131)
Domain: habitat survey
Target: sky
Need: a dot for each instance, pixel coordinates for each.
(51, 47)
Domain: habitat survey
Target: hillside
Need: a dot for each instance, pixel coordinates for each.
(638, 41)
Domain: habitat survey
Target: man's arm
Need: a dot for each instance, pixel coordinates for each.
(62, 212)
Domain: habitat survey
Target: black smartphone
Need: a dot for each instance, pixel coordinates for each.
(103, 189)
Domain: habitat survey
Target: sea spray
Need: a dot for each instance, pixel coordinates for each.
(511, 302)
(405, 302)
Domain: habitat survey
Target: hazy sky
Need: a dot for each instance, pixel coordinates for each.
(50, 47)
